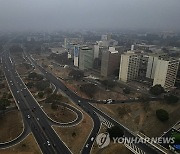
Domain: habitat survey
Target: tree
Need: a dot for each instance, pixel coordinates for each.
(126, 90)
(53, 98)
(42, 85)
(4, 103)
(48, 90)
(115, 131)
(32, 75)
(89, 89)
(54, 106)
(162, 115)
(30, 84)
(157, 90)
(108, 83)
(40, 94)
(171, 99)
(76, 74)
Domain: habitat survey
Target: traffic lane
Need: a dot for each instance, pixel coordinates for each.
(29, 113)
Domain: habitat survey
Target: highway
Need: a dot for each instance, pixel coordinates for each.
(92, 111)
(35, 118)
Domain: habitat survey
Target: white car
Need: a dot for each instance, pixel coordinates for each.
(18, 102)
(109, 101)
(18, 91)
(28, 116)
(87, 145)
(48, 143)
(79, 101)
(92, 138)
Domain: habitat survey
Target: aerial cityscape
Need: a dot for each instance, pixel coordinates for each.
(89, 77)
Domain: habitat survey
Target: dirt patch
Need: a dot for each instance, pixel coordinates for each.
(76, 136)
(27, 146)
(10, 125)
(62, 114)
(142, 117)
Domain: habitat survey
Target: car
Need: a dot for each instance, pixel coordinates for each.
(28, 116)
(87, 145)
(10, 81)
(79, 101)
(137, 89)
(12, 84)
(38, 119)
(92, 138)
(48, 143)
(109, 101)
(18, 102)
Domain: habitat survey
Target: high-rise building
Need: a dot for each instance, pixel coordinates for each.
(110, 61)
(86, 58)
(129, 66)
(166, 71)
(76, 55)
(152, 63)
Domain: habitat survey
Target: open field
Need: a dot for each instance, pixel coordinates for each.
(75, 137)
(62, 114)
(27, 146)
(10, 125)
(142, 117)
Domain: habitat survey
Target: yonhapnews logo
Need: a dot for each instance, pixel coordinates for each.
(103, 140)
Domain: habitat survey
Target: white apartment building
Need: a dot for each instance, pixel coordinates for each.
(152, 63)
(129, 66)
(165, 74)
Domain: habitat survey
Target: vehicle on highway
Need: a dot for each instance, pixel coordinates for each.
(28, 116)
(109, 101)
(48, 143)
(87, 145)
(92, 138)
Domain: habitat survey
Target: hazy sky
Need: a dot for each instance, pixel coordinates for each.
(36, 15)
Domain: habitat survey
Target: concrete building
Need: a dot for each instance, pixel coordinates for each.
(76, 55)
(129, 66)
(177, 83)
(96, 51)
(86, 58)
(143, 66)
(110, 61)
(166, 71)
(152, 63)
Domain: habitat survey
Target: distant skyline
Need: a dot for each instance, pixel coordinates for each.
(54, 15)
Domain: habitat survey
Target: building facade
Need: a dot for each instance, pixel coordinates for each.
(86, 58)
(129, 66)
(110, 62)
(166, 72)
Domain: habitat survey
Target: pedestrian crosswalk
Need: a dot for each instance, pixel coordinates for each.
(130, 146)
(105, 122)
(134, 148)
